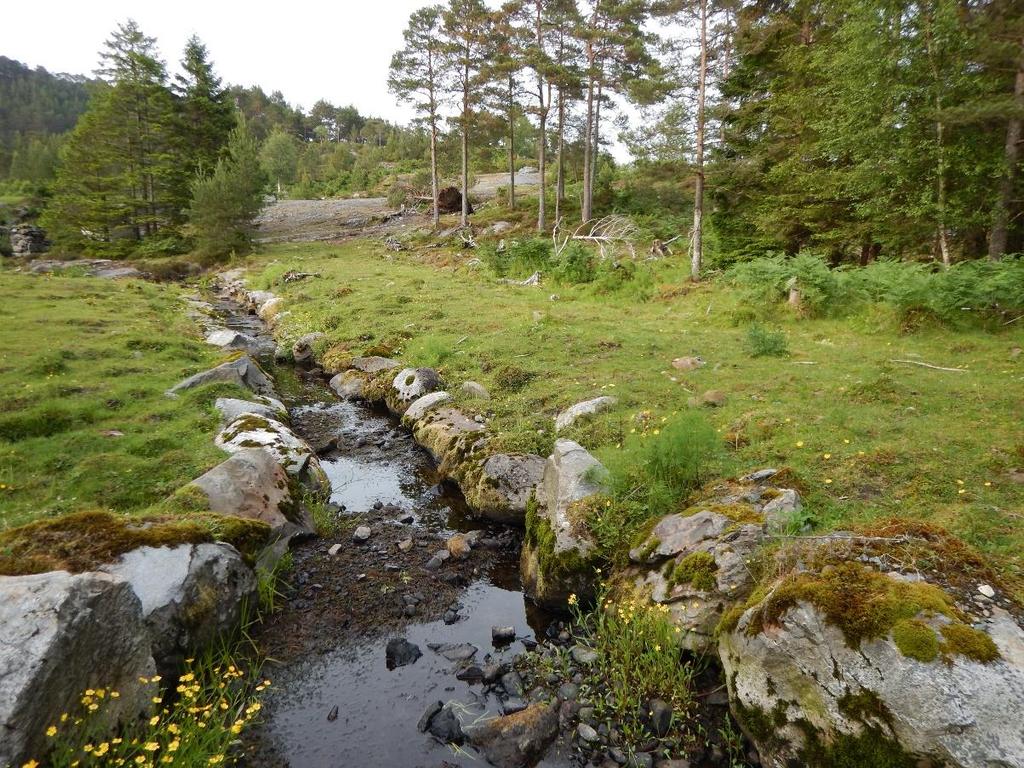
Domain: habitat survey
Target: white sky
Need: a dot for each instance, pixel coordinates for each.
(339, 50)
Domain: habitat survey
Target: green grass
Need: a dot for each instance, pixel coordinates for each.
(84, 423)
(864, 437)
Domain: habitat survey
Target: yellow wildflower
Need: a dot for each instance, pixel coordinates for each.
(51, 731)
(572, 599)
(154, 719)
(173, 728)
(799, 443)
(173, 746)
(151, 746)
(30, 764)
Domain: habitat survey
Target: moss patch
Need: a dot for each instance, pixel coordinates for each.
(541, 537)
(696, 569)
(963, 640)
(916, 640)
(83, 541)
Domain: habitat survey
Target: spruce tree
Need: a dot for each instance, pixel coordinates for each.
(207, 112)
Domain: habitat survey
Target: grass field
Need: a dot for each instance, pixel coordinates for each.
(865, 437)
(84, 423)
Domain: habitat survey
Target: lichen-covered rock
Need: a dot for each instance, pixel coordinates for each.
(287, 448)
(450, 437)
(583, 410)
(225, 338)
(373, 364)
(558, 551)
(190, 594)
(61, 635)
(778, 512)
(849, 666)
(302, 349)
(423, 405)
(253, 485)
(409, 385)
(349, 385)
(517, 740)
(504, 485)
(244, 372)
(270, 309)
(232, 408)
(476, 390)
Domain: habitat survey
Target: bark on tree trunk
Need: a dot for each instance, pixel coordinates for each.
(433, 170)
(560, 181)
(464, 219)
(542, 119)
(942, 234)
(588, 136)
(511, 149)
(1001, 220)
(596, 151)
(697, 241)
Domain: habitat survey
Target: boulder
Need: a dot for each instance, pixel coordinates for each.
(475, 390)
(517, 740)
(225, 338)
(504, 486)
(499, 228)
(27, 240)
(688, 363)
(557, 552)
(679, 534)
(421, 406)
(190, 595)
(251, 484)
(62, 635)
(806, 694)
(302, 350)
(349, 385)
(373, 364)
(713, 398)
(778, 512)
(287, 448)
(583, 410)
(232, 408)
(450, 437)
(244, 372)
(270, 309)
(411, 384)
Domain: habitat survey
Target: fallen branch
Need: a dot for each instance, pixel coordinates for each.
(929, 365)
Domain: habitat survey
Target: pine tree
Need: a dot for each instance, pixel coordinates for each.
(226, 202)
(207, 112)
(416, 75)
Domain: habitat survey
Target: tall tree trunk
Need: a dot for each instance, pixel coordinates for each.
(560, 179)
(596, 151)
(942, 235)
(464, 219)
(588, 135)
(1001, 220)
(542, 119)
(511, 146)
(433, 170)
(697, 240)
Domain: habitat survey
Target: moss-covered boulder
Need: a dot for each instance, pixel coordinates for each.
(502, 485)
(408, 385)
(244, 372)
(559, 553)
(287, 449)
(451, 438)
(847, 665)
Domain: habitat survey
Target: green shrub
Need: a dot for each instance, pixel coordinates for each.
(762, 342)
(765, 282)
(576, 264)
(517, 258)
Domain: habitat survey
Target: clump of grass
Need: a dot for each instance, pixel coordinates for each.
(268, 581)
(512, 378)
(196, 721)
(763, 342)
(638, 659)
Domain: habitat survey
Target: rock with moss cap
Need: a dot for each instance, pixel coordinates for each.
(559, 551)
(423, 405)
(62, 635)
(288, 449)
(231, 408)
(409, 385)
(850, 666)
(503, 485)
(304, 346)
(191, 594)
(451, 437)
(584, 410)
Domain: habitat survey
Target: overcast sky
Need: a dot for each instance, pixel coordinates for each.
(337, 50)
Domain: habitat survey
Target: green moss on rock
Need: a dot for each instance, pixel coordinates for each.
(916, 640)
(696, 569)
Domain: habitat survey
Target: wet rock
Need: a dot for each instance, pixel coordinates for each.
(501, 635)
(225, 338)
(189, 594)
(450, 617)
(471, 674)
(458, 547)
(231, 408)
(476, 390)
(302, 349)
(659, 713)
(348, 385)
(449, 436)
(568, 478)
(399, 652)
(505, 484)
(512, 683)
(244, 372)
(409, 385)
(251, 484)
(428, 714)
(779, 511)
(454, 651)
(333, 714)
(446, 727)
(423, 405)
(583, 410)
(512, 705)
(62, 634)
(516, 740)
(568, 691)
(439, 558)
(362, 533)
(954, 711)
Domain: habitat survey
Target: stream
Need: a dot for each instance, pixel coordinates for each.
(334, 701)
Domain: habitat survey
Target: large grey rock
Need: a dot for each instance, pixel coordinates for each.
(409, 385)
(805, 677)
(190, 594)
(504, 486)
(27, 240)
(679, 534)
(349, 385)
(373, 364)
(231, 408)
(225, 338)
(583, 410)
(287, 448)
(61, 635)
(302, 349)
(422, 405)
(244, 372)
(517, 740)
(450, 437)
(476, 390)
(571, 475)
(779, 511)
(253, 485)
